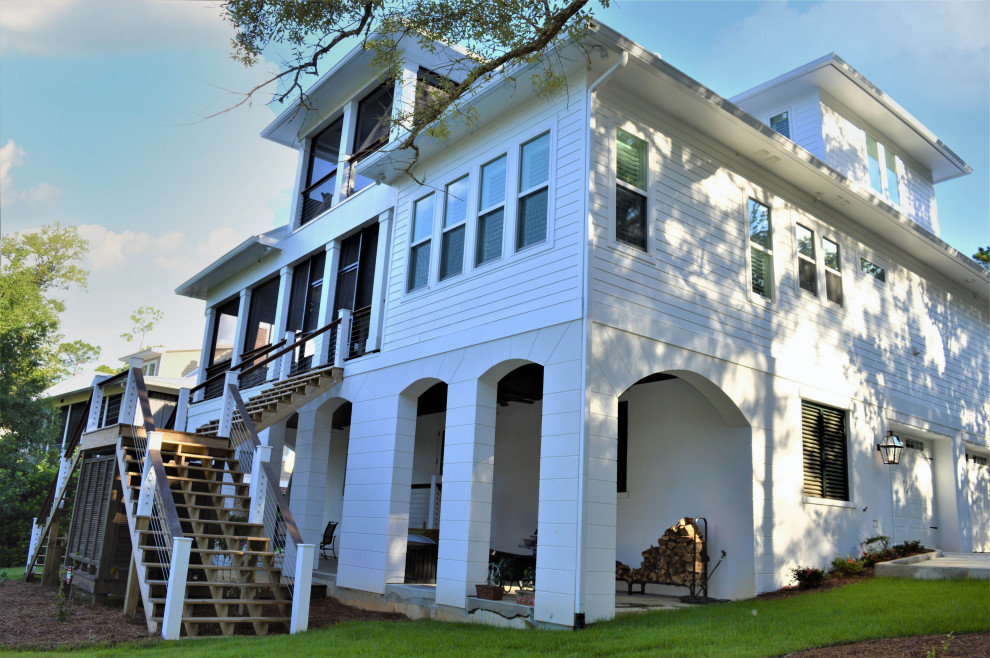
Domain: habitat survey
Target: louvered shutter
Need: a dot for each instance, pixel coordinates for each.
(823, 438)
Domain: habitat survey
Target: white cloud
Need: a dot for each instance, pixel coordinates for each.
(12, 155)
(74, 27)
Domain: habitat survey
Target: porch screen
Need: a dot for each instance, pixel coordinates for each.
(823, 438)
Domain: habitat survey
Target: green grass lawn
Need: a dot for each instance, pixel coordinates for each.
(13, 573)
(870, 609)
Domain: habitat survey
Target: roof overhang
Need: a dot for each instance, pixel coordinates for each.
(848, 86)
(251, 251)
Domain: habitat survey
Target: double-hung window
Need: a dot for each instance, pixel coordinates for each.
(823, 442)
(534, 192)
(760, 248)
(491, 211)
(454, 227)
(422, 232)
(630, 190)
(883, 179)
(807, 263)
(321, 175)
(833, 271)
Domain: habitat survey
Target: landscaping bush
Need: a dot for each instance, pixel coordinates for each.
(808, 577)
(846, 566)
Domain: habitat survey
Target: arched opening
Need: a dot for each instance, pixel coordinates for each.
(684, 450)
(426, 486)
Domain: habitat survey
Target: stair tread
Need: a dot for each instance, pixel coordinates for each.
(280, 602)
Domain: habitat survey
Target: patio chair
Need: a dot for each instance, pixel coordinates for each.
(327, 542)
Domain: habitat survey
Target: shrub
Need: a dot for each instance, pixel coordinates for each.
(909, 548)
(808, 577)
(871, 557)
(846, 566)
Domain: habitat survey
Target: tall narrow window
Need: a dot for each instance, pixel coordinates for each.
(833, 271)
(782, 124)
(893, 191)
(422, 232)
(454, 220)
(373, 120)
(304, 300)
(224, 325)
(873, 163)
(823, 441)
(807, 265)
(261, 315)
(534, 193)
(321, 176)
(630, 190)
(760, 248)
(491, 212)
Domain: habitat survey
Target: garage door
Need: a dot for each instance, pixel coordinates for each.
(915, 516)
(978, 473)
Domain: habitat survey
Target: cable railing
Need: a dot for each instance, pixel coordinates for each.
(360, 330)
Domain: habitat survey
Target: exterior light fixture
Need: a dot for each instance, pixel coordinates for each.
(890, 449)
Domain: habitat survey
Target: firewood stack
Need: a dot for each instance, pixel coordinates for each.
(679, 556)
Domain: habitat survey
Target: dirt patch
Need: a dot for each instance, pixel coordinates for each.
(975, 645)
(829, 583)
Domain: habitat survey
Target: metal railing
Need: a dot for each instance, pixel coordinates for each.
(360, 330)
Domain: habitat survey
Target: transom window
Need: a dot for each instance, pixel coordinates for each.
(422, 232)
(491, 211)
(454, 227)
(534, 194)
(630, 190)
(760, 248)
(807, 262)
(872, 269)
(823, 441)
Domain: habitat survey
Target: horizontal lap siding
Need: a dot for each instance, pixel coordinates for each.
(695, 278)
(532, 280)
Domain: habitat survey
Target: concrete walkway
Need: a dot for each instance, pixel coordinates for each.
(938, 566)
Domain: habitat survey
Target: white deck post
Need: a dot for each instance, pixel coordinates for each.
(95, 409)
(35, 538)
(130, 410)
(285, 361)
(175, 595)
(343, 338)
(259, 484)
(146, 498)
(305, 554)
(182, 410)
(322, 356)
(227, 410)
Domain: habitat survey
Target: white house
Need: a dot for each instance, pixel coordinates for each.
(632, 302)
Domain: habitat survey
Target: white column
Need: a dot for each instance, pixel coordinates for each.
(341, 190)
(240, 332)
(309, 476)
(130, 409)
(285, 361)
(182, 410)
(327, 295)
(343, 338)
(380, 282)
(302, 170)
(375, 519)
(95, 406)
(466, 505)
(404, 103)
(35, 538)
(204, 352)
(282, 308)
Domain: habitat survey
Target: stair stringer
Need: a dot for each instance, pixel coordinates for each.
(130, 506)
(53, 513)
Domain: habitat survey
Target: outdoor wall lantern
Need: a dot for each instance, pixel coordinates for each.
(890, 449)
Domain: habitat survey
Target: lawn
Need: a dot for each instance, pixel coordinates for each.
(874, 608)
(13, 573)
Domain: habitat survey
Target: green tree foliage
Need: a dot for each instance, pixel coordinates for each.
(494, 38)
(144, 320)
(982, 256)
(76, 354)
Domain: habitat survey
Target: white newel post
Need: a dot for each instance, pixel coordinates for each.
(95, 408)
(328, 293)
(285, 361)
(176, 593)
(227, 410)
(259, 483)
(305, 555)
(130, 410)
(182, 410)
(146, 499)
(35, 538)
(343, 338)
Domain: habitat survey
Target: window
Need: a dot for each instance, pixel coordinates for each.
(110, 410)
(884, 182)
(304, 299)
(430, 86)
(373, 120)
(979, 460)
(807, 265)
(224, 325)
(491, 211)
(833, 271)
(356, 282)
(261, 316)
(893, 192)
(454, 227)
(760, 248)
(321, 175)
(422, 232)
(621, 481)
(823, 439)
(873, 163)
(872, 269)
(630, 190)
(782, 124)
(534, 193)
(149, 369)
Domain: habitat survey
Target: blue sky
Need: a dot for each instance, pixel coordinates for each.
(102, 105)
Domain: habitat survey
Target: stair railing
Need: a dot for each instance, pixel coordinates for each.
(270, 508)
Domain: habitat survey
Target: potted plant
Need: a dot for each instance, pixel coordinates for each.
(527, 587)
(492, 590)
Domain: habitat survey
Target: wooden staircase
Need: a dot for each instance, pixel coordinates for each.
(234, 579)
(279, 401)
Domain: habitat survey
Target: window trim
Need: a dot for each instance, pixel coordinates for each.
(522, 194)
(826, 270)
(813, 259)
(308, 186)
(488, 210)
(634, 132)
(864, 255)
(899, 169)
(413, 243)
(769, 251)
(444, 230)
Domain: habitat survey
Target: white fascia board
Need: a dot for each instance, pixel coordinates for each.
(250, 251)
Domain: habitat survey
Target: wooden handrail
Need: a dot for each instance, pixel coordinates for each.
(291, 529)
(144, 402)
(113, 380)
(302, 340)
(78, 431)
(165, 493)
(361, 312)
(247, 356)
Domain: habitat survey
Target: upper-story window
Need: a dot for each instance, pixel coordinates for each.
(374, 117)
(872, 269)
(781, 123)
(807, 259)
(430, 87)
(883, 179)
(454, 227)
(224, 326)
(491, 211)
(833, 271)
(422, 232)
(149, 369)
(760, 248)
(321, 176)
(307, 288)
(630, 189)
(261, 316)
(534, 193)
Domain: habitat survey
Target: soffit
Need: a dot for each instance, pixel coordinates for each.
(252, 250)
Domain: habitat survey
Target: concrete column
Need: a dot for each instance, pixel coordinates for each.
(380, 281)
(327, 296)
(240, 332)
(375, 519)
(466, 504)
(310, 474)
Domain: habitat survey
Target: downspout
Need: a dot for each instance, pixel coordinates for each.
(586, 280)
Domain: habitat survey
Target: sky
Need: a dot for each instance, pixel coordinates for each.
(104, 106)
